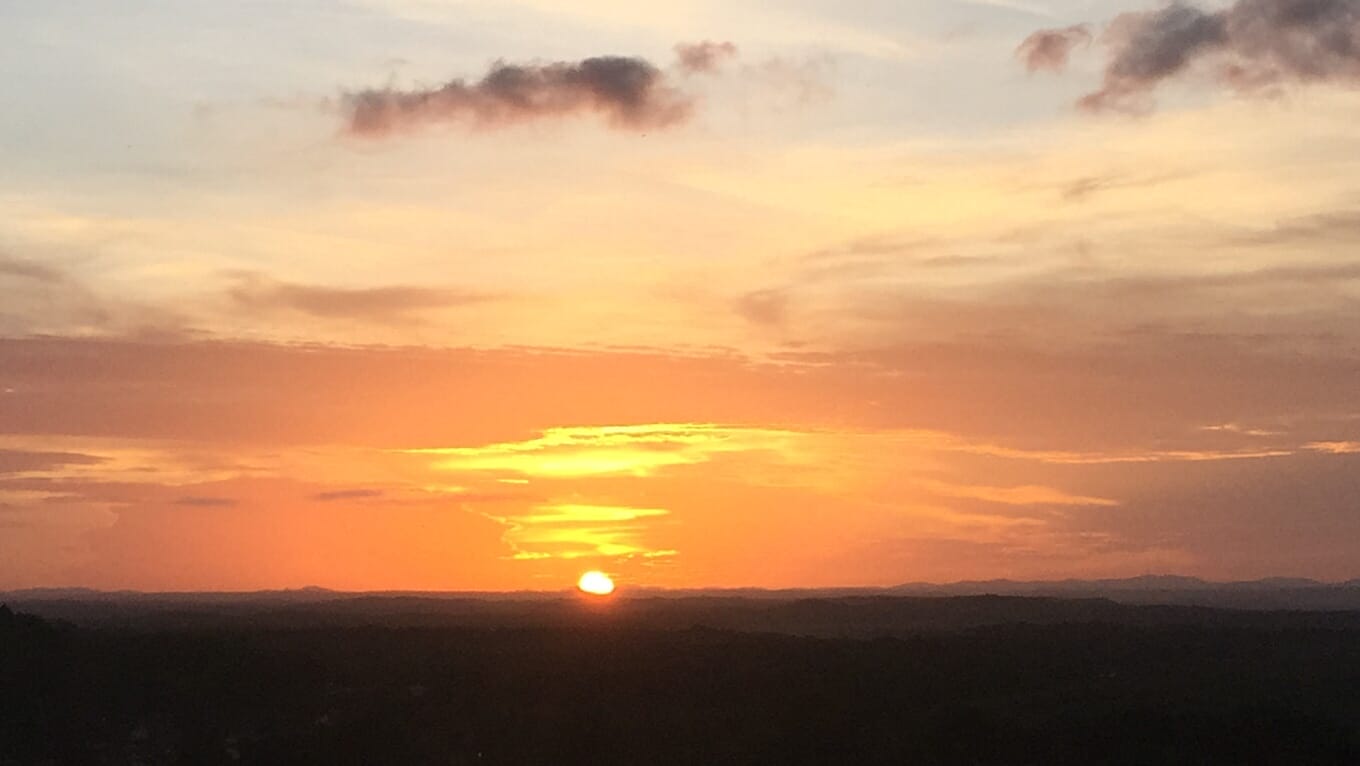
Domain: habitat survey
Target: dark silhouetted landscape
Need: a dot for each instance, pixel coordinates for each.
(320, 677)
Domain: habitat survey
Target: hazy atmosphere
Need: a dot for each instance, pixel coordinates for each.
(411, 294)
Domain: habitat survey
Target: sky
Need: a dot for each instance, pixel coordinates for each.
(426, 294)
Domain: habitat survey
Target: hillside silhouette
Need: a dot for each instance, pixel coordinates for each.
(986, 680)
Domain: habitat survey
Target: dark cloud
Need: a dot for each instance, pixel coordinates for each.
(1250, 46)
(706, 56)
(1150, 47)
(1049, 49)
(383, 304)
(195, 501)
(627, 93)
(347, 494)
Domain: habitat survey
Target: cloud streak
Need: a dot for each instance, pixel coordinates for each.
(382, 304)
(196, 501)
(25, 461)
(29, 270)
(627, 93)
(347, 494)
(1250, 47)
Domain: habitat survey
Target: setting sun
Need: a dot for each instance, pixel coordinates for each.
(596, 583)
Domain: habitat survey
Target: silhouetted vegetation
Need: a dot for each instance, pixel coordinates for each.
(1211, 687)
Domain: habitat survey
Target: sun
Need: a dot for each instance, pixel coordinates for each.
(596, 583)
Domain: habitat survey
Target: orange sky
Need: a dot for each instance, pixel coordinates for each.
(410, 294)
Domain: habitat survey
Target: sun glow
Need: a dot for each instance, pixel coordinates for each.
(638, 450)
(596, 583)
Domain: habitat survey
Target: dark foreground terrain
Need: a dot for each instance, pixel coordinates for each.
(914, 681)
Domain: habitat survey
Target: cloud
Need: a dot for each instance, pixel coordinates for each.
(1021, 495)
(24, 461)
(383, 304)
(1250, 46)
(1335, 448)
(571, 531)
(1150, 47)
(703, 57)
(1115, 393)
(628, 93)
(871, 246)
(831, 448)
(764, 307)
(792, 82)
(1085, 187)
(26, 269)
(37, 297)
(1312, 291)
(1049, 49)
(1335, 226)
(196, 501)
(636, 450)
(347, 494)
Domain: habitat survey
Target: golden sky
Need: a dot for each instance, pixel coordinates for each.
(423, 294)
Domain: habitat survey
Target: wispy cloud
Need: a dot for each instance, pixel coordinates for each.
(384, 304)
(44, 297)
(29, 269)
(1336, 448)
(24, 461)
(572, 531)
(764, 307)
(197, 501)
(706, 56)
(639, 450)
(1020, 495)
(347, 494)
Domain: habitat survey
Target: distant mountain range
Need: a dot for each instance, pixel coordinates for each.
(1268, 593)
(1274, 593)
(1142, 583)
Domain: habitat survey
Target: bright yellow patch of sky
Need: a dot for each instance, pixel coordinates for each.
(639, 450)
(570, 531)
